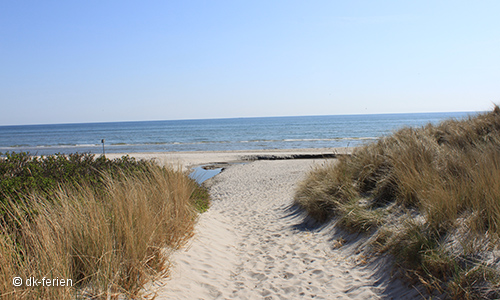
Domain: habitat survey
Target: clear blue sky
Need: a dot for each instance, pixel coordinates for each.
(100, 61)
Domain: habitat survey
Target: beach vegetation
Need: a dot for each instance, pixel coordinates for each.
(430, 196)
(106, 225)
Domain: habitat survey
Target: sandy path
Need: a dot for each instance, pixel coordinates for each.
(252, 245)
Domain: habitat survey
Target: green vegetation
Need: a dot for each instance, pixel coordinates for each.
(430, 196)
(104, 224)
(22, 173)
(201, 198)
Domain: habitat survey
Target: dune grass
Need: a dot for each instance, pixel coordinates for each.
(429, 195)
(110, 233)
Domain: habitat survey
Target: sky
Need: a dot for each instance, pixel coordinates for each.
(106, 61)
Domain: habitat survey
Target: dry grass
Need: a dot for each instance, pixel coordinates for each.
(419, 192)
(108, 243)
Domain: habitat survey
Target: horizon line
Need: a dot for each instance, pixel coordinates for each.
(229, 118)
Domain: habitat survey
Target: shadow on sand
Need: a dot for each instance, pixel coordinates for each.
(390, 282)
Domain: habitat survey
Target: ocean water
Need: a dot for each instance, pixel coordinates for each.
(211, 134)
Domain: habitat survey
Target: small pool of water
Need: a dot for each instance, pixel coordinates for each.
(200, 174)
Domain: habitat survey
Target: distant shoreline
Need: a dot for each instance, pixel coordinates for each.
(212, 135)
(190, 159)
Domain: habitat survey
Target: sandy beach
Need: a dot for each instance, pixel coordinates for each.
(254, 244)
(197, 158)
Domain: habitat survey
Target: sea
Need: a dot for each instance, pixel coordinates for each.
(212, 134)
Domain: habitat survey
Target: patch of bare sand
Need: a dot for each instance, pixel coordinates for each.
(196, 158)
(252, 244)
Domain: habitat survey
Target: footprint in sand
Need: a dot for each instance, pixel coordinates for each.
(264, 255)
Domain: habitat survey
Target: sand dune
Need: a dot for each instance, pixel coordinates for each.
(252, 244)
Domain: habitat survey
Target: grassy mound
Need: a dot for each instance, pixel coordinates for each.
(104, 224)
(430, 196)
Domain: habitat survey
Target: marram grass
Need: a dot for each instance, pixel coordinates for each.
(429, 195)
(109, 241)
